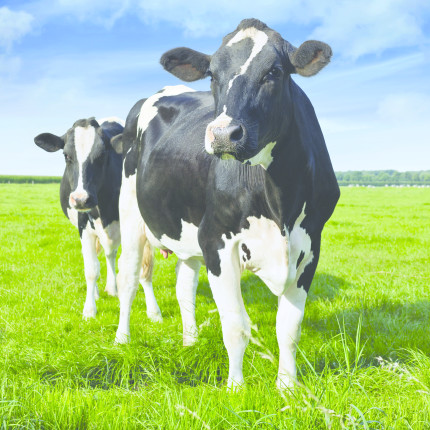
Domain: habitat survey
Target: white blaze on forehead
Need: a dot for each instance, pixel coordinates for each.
(258, 37)
(84, 142)
(221, 121)
(148, 111)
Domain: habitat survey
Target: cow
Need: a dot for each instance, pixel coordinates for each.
(236, 178)
(89, 195)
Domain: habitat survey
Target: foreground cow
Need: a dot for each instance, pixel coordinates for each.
(89, 194)
(239, 178)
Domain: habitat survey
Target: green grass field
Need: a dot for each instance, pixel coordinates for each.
(364, 355)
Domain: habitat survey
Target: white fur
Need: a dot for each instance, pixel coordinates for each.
(84, 141)
(148, 111)
(221, 121)
(92, 271)
(187, 276)
(259, 39)
(291, 308)
(264, 157)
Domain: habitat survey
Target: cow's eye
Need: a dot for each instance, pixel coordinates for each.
(273, 74)
(68, 158)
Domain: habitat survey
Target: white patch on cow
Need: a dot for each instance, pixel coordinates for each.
(111, 119)
(236, 327)
(185, 248)
(258, 37)
(291, 308)
(187, 277)
(148, 111)
(84, 141)
(133, 239)
(299, 241)
(264, 157)
(221, 121)
(72, 214)
(92, 271)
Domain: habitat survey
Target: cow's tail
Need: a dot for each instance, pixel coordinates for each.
(147, 262)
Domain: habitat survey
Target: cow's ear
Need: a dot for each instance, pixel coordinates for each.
(310, 57)
(186, 64)
(116, 143)
(49, 142)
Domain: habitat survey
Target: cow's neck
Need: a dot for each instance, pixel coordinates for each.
(291, 173)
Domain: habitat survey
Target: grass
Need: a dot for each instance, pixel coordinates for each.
(363, 360)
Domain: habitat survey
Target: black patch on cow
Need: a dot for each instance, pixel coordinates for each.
(300, 259)
(246, 250)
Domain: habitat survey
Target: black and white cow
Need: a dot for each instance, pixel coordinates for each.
(238, 178)
(89, 194)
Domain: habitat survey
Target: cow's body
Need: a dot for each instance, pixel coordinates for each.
(260, 205)
(89, 194)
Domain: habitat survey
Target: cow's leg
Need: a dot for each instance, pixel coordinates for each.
(187, 277)
(234, 319)
(152, 309)
(92, 271)
(291, 307)
(110, 272)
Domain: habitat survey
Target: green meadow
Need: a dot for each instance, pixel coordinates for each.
(363, 359)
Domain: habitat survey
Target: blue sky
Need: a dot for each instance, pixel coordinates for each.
(61, 60)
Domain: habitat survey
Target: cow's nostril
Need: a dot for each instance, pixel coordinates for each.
(236, 134)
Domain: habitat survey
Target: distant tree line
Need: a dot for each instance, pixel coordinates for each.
(16, 179)
(383, 177)
(356, 177)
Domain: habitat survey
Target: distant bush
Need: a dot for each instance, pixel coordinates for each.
(365, 177)
(15, 179)
(383, 177)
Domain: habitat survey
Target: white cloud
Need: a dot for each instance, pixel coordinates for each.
(13, 26)
(357, 29)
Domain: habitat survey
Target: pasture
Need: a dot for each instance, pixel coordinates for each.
(363, 359)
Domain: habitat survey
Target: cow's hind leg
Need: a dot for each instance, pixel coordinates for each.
(187, 277)
(152, 308)
(92, 272)
(235, 322)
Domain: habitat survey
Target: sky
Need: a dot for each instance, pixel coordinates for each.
(62, 60)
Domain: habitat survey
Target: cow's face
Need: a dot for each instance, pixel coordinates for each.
(84, 147)
(250, 74)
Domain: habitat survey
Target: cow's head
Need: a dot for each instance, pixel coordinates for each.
(250, 75)
(84, 147)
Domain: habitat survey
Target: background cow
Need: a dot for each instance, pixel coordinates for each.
(89, 194)
(239, 178)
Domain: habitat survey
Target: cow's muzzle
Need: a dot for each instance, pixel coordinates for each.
(225, 138)
(82, 201)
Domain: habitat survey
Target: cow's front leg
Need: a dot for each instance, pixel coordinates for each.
(110, 272)
(291, 307)
(187, 277)
(152, 309)
(234, 319)
(92, 272)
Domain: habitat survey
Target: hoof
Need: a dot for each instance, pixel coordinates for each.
(155, 316)
(111, 290)
(89, 313)
(189, 339)
(122, 338)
